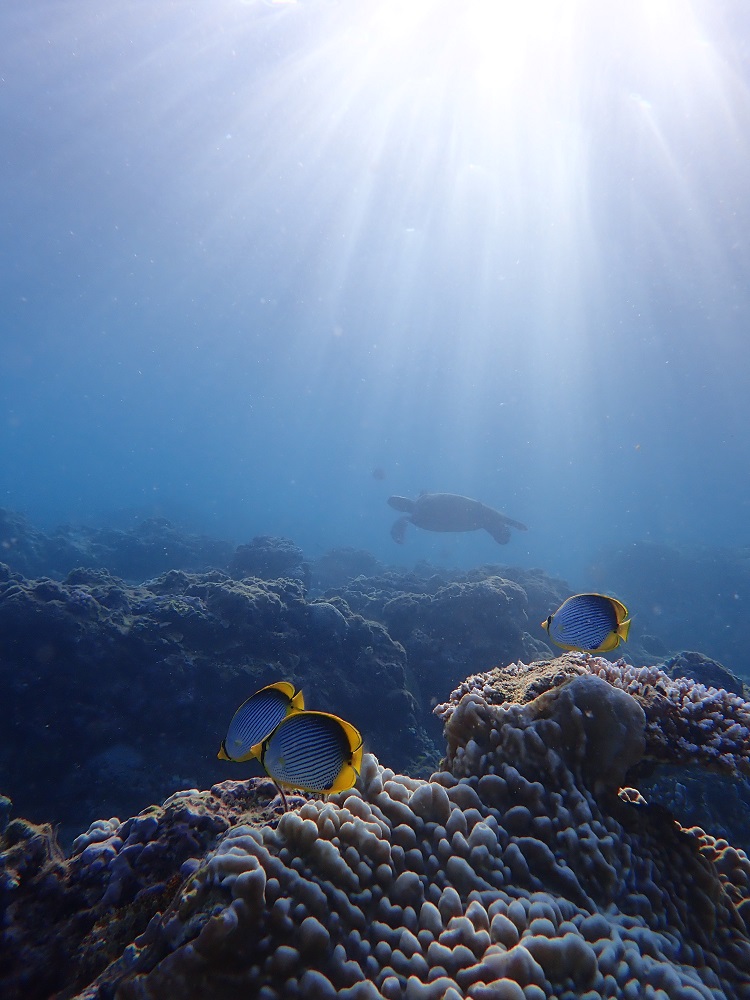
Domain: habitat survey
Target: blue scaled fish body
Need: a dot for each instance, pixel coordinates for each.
(257, 717)
(312, 751)
(589, 623)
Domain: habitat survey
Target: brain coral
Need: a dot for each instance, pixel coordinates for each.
(523, 870)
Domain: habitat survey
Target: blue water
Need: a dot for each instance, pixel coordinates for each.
(252, 252)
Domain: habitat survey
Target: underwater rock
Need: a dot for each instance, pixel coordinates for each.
(526, 869)
(112, 693)
(543, 592)
(338, 566)
(451, 621)
(270, 558)
(477, 622)
(30, 551)
(704, 670)
(153, 546)
(150, 547)
(327, 620)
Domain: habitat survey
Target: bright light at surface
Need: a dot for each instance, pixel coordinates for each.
(478, 148)
(457, 164)
(485, 41)
(456, 225)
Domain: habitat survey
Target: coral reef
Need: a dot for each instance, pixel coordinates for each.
(703, 669)
(435, 628)
(147, 548)
(691, 732)
(527, 868)
(92, 904)
(151, 546)
(269, 558)
(339, 566)
(685, 722)
(154, 545)
(124, 692)
(450, 623)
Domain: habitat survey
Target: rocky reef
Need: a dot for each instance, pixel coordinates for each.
(146, 548)
(569, 827)
(452, 622)
(115, 694)
(528, 867)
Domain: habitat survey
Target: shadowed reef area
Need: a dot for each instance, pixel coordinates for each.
(525, 825)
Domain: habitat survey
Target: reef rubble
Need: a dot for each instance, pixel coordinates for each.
(529, 866)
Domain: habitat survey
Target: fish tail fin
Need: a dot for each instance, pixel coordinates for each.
(623, 629)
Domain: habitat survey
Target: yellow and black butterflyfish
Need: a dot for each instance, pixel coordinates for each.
(313, 751)
(257, 718)
(591, 623)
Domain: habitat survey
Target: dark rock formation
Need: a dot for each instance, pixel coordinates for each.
(337, 567)
(114, 693)
(269, 558)
(151, 547)
(451, 621)
(703, 669)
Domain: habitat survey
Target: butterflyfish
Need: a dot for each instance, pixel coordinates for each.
(591, 623)
(313, 751)
(257, 718)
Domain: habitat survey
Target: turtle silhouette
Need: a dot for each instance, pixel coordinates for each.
(450, 512)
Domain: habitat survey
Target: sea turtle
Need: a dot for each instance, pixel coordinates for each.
(450, 512)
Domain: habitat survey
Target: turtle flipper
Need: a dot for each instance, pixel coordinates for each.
(500, 532)
(498, 525)
(514, 524)
(398, 529)
(403, 504)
